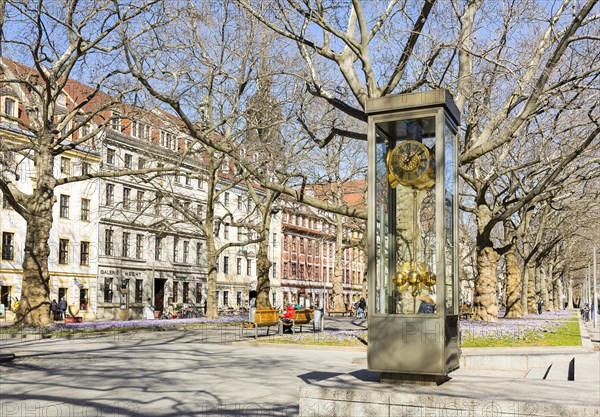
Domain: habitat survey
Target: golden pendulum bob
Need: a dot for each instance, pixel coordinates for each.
(413, 274)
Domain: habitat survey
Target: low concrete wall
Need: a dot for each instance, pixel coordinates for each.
(335, 402)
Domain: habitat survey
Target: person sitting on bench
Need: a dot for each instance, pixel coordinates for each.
(287, 319)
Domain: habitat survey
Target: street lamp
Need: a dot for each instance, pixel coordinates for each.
(412, 237)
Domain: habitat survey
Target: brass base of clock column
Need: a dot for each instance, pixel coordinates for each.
(413, 379)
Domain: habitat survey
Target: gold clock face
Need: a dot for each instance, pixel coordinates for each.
(410, 164)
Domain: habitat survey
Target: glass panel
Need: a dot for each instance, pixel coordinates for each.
(449, 200)
(382, 224)
(405, 180)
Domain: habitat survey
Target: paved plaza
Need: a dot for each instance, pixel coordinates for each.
(213, 372)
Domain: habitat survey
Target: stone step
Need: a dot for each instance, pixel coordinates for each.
(587, 368)
(538, 372)
(560, 371)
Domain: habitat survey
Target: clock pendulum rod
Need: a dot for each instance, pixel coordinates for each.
(414, 244)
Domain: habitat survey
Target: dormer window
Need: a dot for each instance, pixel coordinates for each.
(10, 106)
(61, 100)
(85, 130)
(167, 140)
(140, 130)
(115, 122)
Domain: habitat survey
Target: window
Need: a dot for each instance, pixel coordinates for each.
(64, 206)
(63, 251)
(115, 122)
(240, 202)
(83, 299)
(175, 290)
(186, 251)
(158, 248)
(8, 246)
(167, 140)
(238, 263)
(199, 183)
(84, 253)
(147, 132)
(139, 290)
(125, 245)
(139, 202)
(9, 106)
(177, 180)
(110, 156)
(128, 160)
(200, 211)
(65, 165)
(301, 245)
(157, 204)
(188, 180)
(198, 253)
(108, 242)
(85, 168)
(226, 199)
(141, 163)
(198, 293)
(249, 267)
(225, 298)
(126, 198)
(274, 266)
(293, 271)
(238, 298)
(139, 246)
(110, 194)
(225, 264)
(186, 292)
(85, 130)
(175, 249)
(226, 231)
(108, 290)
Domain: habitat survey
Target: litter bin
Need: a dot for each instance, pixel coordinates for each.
(318, 318)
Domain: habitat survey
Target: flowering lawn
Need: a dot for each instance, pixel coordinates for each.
(557, 328)
(100, 326)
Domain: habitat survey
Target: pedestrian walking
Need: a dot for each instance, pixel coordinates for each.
(54, 309)
(62, 307)
(540, 304)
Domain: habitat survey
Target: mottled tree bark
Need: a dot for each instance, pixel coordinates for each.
(211, 254)
(513, 286)
(263, 263)
(559, 295)
(570, 294)
(485, 302)
(34, 306)
(338, 287)
(524, 290)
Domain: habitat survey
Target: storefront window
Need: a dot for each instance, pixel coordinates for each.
(83, 299)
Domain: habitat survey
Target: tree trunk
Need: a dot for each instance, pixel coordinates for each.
(34, 306)
(546, 281)
(485, 302)
(211, 255)
(559, 294)
(338, 287)
(513, 286)
(263, 268)
(531, 296)
(524, 290)
(570, 294)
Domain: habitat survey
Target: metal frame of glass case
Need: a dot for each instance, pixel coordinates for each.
(412, 235)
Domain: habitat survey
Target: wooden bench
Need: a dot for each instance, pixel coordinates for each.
(301, 317)
(263, 318)
(342, 313)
